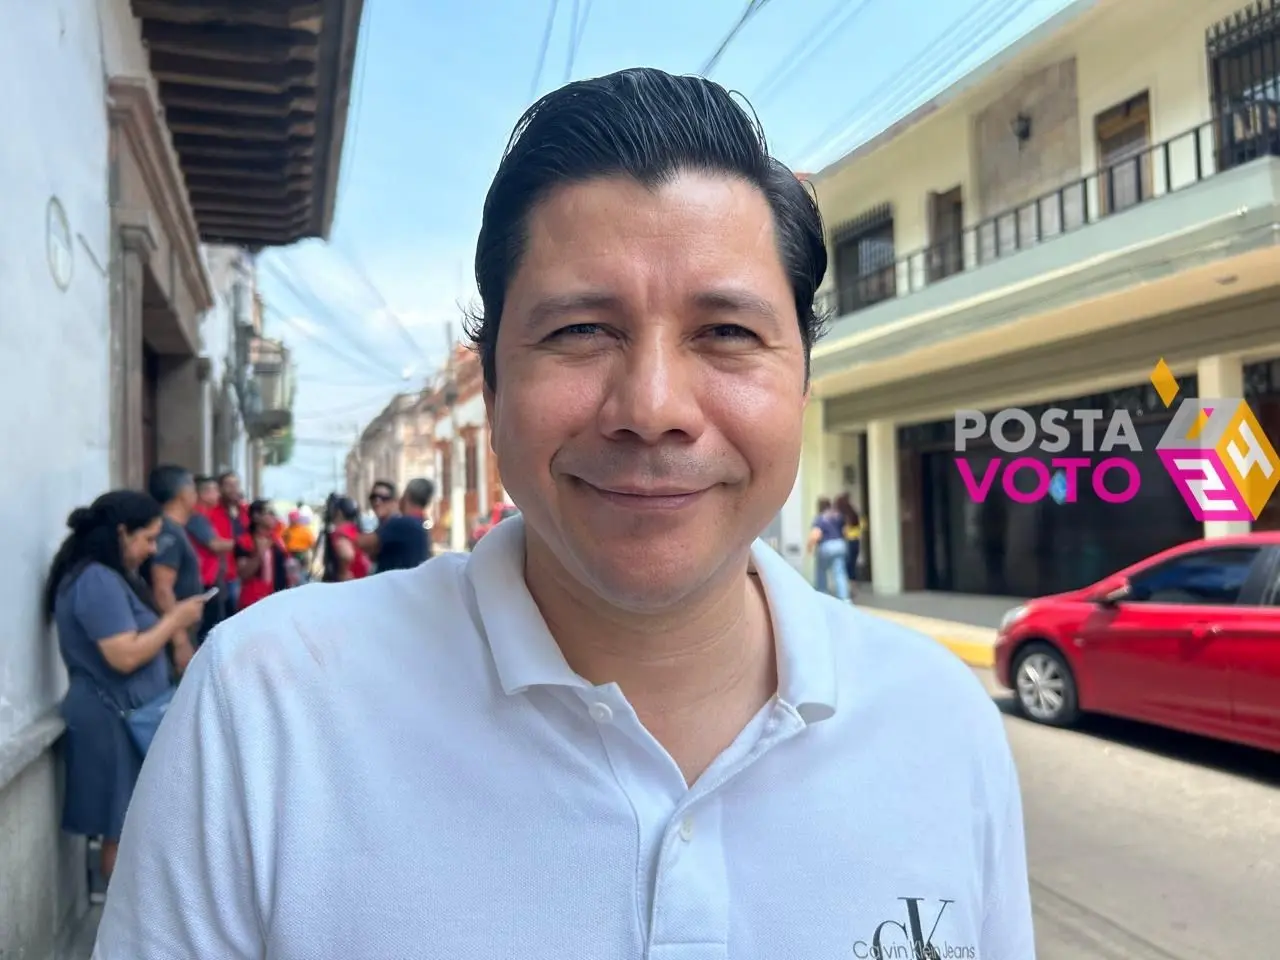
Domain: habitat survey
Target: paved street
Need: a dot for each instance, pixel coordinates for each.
(1146, 845)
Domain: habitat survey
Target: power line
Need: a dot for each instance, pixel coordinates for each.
(350, 150)
(577, 30)
(363, 275)
(800, 56)
(309, 299)
(973, 39)
(357, 361)
(572, 51)
(753, 7)
(542, 51)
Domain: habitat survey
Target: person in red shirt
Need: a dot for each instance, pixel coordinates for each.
(260, 556)
(343, 558)
(211, 552)
(229, 517)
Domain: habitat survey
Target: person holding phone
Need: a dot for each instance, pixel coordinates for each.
(112, 639)
(174, 571)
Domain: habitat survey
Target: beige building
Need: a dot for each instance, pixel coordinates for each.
(396, 446)
(1101, 195)
(440, 433)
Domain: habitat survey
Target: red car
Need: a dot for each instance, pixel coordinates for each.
(1188, 639)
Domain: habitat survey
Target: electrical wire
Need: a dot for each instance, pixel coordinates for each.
(308, 298)
(802, 54)
(969, 33)
(753, 7)
(575, 41)
(356, 361)
(356, 267)
(356, 111)
(572, 50)
(542, 51)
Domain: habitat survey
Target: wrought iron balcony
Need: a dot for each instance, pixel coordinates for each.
(1236, 136)
(269, 410)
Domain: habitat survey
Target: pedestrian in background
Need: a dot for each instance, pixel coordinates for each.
(403, 541)
(343, 558)
(830, 552)
(112, 638)
(852, 538)
(214, 553)
(261, 555)
(174, 572)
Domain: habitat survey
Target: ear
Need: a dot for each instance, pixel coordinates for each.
(490, 410)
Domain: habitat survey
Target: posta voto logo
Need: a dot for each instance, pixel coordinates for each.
(1215, 451)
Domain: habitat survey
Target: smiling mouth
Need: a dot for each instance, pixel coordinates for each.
(657, 498)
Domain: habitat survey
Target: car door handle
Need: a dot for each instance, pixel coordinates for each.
(1206, 631)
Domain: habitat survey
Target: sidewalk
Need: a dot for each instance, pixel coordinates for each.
(964, 624)
(974, 645)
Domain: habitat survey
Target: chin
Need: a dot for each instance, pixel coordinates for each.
(647, 578)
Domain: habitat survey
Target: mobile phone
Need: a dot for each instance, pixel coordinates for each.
(210, 594)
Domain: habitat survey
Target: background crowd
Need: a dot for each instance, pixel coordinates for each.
(143, 578)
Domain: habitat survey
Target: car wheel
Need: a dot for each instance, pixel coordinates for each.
(1044, 685)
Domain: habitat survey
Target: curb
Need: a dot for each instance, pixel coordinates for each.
(974, 653)
(974, 645)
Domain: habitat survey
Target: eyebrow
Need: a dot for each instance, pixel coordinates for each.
(552, 308)
(727, 299)
(735, 300)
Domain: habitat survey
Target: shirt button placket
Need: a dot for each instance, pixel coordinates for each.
(690, 919)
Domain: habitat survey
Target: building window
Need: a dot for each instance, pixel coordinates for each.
(1123, 135)
(1244, 66)
(946, 234)
(866, 271)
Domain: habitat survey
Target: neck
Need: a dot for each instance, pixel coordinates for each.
(177, 512)
(714, 647)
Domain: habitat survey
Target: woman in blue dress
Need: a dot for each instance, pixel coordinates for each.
(113, 642)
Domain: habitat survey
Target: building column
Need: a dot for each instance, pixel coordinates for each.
(884, 520)
(136, 244)
(482, 470)
(458, 493)
(1222, 377)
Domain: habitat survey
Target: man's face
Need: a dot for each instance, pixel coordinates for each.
(651, 383)
(209, 493)
(382, 502)
(187, 496)
(230, 488)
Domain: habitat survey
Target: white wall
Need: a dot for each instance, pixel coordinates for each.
(54, 346)
(121, 47)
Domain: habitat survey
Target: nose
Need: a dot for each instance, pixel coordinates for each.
(652, 391)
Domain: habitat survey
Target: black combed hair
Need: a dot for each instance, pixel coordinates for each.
(649, 125)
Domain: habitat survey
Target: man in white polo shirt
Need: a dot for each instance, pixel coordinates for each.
(623, 727)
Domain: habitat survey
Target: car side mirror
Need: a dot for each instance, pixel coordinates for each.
(1118, 593)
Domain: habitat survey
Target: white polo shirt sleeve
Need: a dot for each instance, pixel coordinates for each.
(1007, 928)
(184, 881)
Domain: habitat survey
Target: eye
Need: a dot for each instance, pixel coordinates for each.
(731, 331)
(575, 330)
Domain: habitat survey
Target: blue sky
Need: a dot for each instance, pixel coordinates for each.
(439, 86)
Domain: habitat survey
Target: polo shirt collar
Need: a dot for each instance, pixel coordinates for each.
(527, 655)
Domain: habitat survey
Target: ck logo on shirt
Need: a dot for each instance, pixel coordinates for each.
(907, 939)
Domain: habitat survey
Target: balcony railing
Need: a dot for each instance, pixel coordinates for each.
(270, 388)
(1244, 133)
